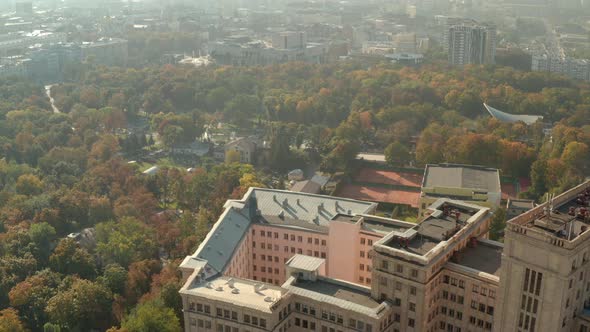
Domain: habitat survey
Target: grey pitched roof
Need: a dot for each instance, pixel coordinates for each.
(511, 118)
(462, 176)
(316, 209)
(305, 211)
(223, 239)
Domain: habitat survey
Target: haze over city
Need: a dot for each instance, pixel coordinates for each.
(294, 165)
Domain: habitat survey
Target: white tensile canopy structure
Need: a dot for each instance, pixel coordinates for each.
(512, 118)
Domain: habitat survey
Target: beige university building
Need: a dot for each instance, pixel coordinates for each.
(285, 261)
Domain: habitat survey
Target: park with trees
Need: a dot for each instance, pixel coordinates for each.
(61, 173)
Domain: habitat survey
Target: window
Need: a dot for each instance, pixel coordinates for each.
(285, 236)
(490, 310)
(292, 237)
(323, 242)
(399, 268)
(414, 273)
(316, 241)
(475, 288)
(473, 305)
(269, 234)
(362, 254)
(412, 306)
(361, 279)
(276, 235)
(323, 255)
(262, 233)
(362, 267)
(398, 286)
(413, 290)
(263, 257)
(370, 242)
(411, 322)
(219, 312)
(384, 265)
(383, 281)
(300, 238)
(309, 240)
(461, 284)
(362, 240)
(263, 245)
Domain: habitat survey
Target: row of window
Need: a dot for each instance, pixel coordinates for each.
(484, 291)
(265, 269)
(476, 288)
(286, 249)
(453, 297)
(369, 242)
(449, 327)
(480, 323)
(268, 280)
(227, 314)
(369, 254)
(298, 238)
(398, 285)
(364, 280)
(399, 269)
(488, 309)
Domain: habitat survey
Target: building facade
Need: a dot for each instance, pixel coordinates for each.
(319, 263)
(472, 44)
(571, 67)
(545, 267)
(330, 265)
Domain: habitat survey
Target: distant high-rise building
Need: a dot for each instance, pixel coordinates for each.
(472, 44)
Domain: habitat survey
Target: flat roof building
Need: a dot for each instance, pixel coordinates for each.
(283, 261)
(475, 184)
(545, 274)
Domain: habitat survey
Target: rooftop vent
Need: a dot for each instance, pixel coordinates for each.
(235, 291)
(336, 205)
(268, 299)
(219, 289)
(282, 214)
(231, 282)
(298, 201)
(209, 285)
(285, 202)
(220, 253)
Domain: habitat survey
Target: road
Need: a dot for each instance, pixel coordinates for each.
(51, 100)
